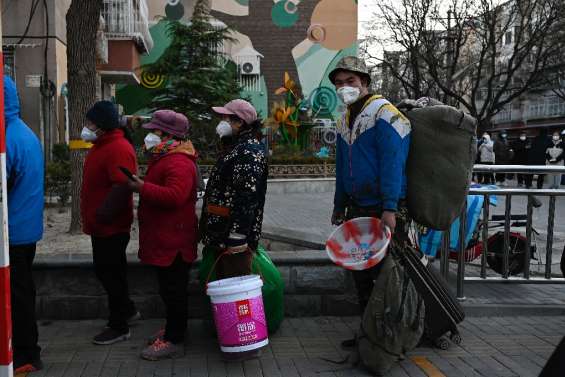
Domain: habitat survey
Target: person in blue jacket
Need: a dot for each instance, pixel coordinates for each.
(25, 171)
(373, 138)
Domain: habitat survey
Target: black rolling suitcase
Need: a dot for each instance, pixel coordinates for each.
(443, 311)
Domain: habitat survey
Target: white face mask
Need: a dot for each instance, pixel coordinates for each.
(88, 135)
(151, 140)
(348, 94)
(224, 129)
(522, 138)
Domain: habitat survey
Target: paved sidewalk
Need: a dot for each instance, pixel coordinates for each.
(504, 347)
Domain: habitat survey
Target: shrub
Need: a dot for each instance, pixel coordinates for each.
(58, 174)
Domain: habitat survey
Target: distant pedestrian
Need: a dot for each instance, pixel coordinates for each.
(24, 163)
(107, 213)
(168, 224)
(554, 157)
(503, 155)
(486, 157)
(521, 148)
(536, 156)
(563, 142)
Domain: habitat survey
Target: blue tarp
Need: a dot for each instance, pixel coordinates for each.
(430, 241)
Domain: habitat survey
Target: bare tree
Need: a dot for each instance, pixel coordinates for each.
(399, 30)
(477, 54)
(82, 24)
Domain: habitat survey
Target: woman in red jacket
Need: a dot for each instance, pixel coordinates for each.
(107, 213)
(168, 223)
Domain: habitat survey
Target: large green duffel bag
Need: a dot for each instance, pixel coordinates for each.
(443, 147)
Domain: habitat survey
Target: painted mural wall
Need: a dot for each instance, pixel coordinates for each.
(305, 38)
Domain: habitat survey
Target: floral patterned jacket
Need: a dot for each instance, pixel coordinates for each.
(235, 194)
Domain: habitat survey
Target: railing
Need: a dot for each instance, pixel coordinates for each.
(128, 19)
(547, 109)
(508, 194)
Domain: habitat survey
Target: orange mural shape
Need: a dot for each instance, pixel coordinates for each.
(334, 24)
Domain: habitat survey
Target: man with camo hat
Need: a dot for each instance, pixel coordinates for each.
(371, 151)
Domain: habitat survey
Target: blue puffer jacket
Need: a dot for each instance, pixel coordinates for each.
(371, 157)
(24, 163)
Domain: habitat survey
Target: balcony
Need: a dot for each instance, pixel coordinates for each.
(125, 37)
(551, 108)
(128, 20)
(548, 108)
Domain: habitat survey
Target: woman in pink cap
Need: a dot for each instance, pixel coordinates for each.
(232, 213)
(168, 223)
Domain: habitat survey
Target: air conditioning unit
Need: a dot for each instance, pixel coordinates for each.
(248, 61)
(250, 66)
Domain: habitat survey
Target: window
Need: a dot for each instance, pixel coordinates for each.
(9, 62)
(517, 32)
(508, 38)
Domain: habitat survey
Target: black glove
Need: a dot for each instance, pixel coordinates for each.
(338, 217)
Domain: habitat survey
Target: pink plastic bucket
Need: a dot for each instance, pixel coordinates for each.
(240, 320)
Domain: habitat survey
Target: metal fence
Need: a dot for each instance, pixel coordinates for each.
(526, 276)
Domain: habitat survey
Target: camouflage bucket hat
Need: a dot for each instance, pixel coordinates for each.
(352, 64)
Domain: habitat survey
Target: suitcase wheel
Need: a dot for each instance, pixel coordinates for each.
(455, 338)
(442, 343)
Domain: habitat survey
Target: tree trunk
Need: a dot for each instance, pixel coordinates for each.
(82, 25)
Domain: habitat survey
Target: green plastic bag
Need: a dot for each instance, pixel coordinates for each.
(273, 285)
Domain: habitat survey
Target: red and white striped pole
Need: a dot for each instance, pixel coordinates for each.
(6, 369)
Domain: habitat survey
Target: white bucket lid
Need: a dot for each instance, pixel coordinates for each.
(234, 285)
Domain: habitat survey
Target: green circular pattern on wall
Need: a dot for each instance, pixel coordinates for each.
(323, 100)
(284, 15)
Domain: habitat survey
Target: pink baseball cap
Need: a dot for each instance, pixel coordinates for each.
(240, 108)
(170, 122)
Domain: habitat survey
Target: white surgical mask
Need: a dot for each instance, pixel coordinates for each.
(348, 94)
(522, 138)
(224, 129)
(151, 140)
(88, 135)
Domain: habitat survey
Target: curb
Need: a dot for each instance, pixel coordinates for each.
(512, 310)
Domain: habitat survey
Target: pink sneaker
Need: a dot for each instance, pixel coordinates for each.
(158, 335)
(162, 349)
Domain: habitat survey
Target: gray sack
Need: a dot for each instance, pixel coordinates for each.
(393, 322)
(440, 162)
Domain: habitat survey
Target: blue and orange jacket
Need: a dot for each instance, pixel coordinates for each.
(371, 157)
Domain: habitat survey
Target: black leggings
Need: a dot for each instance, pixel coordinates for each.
(173, 288)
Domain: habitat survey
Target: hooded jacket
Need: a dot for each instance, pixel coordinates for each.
(168, 225)
(25, 170)
(371, 155)
(486, 151)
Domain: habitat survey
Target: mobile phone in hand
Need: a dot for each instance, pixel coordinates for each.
(126, 172)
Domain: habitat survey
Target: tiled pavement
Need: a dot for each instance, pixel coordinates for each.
(510, 346)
